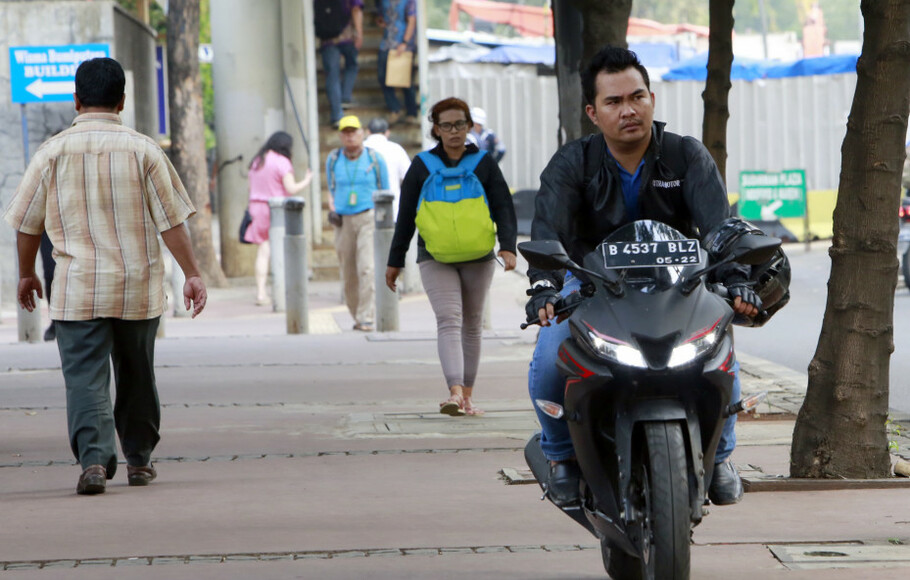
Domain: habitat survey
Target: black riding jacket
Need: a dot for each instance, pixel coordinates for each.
(580, 200)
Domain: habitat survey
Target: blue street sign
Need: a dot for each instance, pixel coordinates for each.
(42, 74)
(161, 83)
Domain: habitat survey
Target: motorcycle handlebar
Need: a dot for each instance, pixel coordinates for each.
(562, 306)
(721, 291)
(569, 303)
(724, 293)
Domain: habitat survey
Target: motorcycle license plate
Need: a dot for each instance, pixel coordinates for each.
(650, 254)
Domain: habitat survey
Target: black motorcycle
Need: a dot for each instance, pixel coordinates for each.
(648, 386)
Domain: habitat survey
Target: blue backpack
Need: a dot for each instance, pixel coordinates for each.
(453, 215)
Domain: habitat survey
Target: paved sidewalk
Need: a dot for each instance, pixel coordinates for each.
(322, 456)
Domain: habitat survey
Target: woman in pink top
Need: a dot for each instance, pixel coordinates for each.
(271, 175)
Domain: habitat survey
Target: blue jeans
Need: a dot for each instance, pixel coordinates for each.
(546, 382)
(391, 100)
(338, 87)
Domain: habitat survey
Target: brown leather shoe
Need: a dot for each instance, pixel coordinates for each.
(142, 475)
(92, 480)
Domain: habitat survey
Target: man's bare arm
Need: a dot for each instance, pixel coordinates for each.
(177, 240)
(29, 284)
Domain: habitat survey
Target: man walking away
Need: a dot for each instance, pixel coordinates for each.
(103, 193)
(395, 157)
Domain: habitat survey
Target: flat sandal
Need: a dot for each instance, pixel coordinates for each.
(453, 406)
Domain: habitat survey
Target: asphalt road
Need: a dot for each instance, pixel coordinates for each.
(790, 339)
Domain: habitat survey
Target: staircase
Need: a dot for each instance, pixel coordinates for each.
(369, 103)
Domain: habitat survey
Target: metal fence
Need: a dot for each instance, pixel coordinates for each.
(775, 124)
(522, 109)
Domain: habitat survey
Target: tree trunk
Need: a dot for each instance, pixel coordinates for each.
(717, 87)
(187, 130)
(567, 21)
(840, 430)
(602, 22)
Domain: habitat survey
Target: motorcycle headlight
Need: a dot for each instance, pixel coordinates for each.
(700, 343)
(615, 350)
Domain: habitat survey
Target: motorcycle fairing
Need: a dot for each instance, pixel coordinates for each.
(602, 418)
(653, 323)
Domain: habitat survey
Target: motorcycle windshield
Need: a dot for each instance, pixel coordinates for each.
(648, 256)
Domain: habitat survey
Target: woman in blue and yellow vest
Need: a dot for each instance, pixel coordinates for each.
(457, 198)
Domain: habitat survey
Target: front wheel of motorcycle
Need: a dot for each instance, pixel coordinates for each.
(660, 491)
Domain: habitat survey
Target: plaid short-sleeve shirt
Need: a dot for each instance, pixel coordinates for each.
(103, 192)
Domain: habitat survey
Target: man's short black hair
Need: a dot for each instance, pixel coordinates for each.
(100, 82)
(609, 59)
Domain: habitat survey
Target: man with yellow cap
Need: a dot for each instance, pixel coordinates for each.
(354, 173)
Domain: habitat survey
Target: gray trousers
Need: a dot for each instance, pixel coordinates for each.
(457, 293)
(87, 349)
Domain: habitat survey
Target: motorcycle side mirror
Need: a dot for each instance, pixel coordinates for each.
(546, 255)
(753, 250)
(551, 255)
(749, 250)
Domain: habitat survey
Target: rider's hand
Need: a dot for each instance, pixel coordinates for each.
(540, 305)
(745, 300)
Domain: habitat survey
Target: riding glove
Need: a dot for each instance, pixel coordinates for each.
(744, 290)
(540, 297)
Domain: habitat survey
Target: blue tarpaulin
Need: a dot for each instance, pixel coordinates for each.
(651, 54)
(520, 55)
(695, 68)
(662, 55)
(656, 54)
(823, 65)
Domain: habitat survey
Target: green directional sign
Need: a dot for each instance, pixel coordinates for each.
(767, 196)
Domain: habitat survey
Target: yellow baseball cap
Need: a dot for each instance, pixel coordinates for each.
(349, 122)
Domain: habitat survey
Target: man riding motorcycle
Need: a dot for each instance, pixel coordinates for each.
(631, 169)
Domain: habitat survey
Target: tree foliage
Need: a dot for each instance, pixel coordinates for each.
(841, 16)
(438, 15)
(682, 11)
(843, 19)
(205, 74)
(781, 16)
(158, 21)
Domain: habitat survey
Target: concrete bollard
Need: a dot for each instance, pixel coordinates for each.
(276, 251)
(386, 300)
(295, 268)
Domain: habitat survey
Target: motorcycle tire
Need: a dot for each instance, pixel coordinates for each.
(660, 479)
